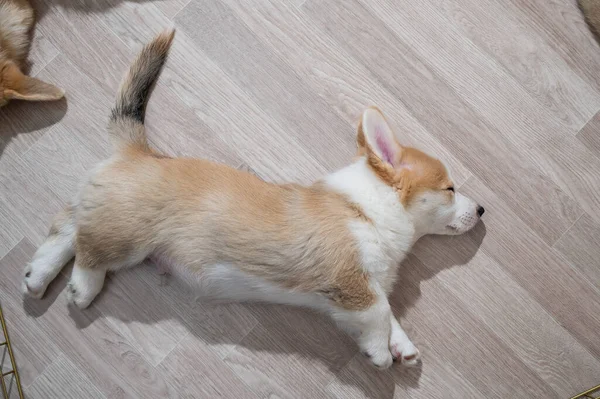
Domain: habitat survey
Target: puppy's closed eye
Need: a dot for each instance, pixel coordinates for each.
(451, 188)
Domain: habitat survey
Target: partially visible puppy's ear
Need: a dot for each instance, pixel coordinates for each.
(375, 137)
(18, 86)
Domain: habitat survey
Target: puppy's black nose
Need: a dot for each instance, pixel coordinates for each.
(480, 210)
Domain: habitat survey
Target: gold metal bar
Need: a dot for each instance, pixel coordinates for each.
(12, 359)
(4, 391)
(10, 372)
(586, 393)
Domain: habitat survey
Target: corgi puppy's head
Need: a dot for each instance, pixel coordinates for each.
(14, 85)
(422, 182)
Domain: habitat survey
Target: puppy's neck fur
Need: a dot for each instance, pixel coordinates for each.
(392, 226)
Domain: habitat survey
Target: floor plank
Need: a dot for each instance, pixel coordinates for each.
(568, 296)
(580, 246)
(442, 327)
(260, 72)
(290, 353)
(486, 290)
(33, 349)
(562, 25)
(589, 135)
(530, 60)
(63, 379)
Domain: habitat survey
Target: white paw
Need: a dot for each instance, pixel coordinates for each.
(35, 282)
(83, 287)
(405, 351)
(76, 297)
(380, 359)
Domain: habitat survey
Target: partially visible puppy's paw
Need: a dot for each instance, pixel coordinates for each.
(381, 359)
(83, 286)
(35, 282)
(406, 352)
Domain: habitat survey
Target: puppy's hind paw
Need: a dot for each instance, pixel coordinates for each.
(33, 286)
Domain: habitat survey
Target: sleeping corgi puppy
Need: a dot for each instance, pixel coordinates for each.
(333, 246)
(16, 21)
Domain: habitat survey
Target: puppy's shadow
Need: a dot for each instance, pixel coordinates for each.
(137, 296)
(429, 256)
(28, 118)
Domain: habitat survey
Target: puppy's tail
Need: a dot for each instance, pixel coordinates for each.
(126, 126)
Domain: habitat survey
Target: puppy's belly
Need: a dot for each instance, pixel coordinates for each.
(226, 282)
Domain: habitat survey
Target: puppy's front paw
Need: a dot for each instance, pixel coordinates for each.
(381, 359)
(406, 352)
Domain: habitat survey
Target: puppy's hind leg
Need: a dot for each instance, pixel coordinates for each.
(85, 284)
(89, 272)
(52, 255)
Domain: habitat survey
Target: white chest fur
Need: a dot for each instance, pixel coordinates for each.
(385, 241)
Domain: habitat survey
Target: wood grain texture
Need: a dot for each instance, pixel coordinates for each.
(33, 350)
(151, 328)
(580, 246)
(11, 233)
(563, 27)
(435, 379)
(470, 72)
(516, 318)
(207, 378)
(41, 53)
(245, 127)
(530, 60)
(573, 167)
(540, 270)
(444, 328)
(270, 82)
(589, 135)
(63, 379)
(290, 353)
(87, 339)
(507, 95)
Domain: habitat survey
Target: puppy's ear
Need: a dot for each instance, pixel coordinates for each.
(18, 86)
(377, 139)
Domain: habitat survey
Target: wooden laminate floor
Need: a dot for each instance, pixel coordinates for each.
(506, 92)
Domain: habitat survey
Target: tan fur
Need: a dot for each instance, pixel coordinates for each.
(16, 21)
(204, 213)
(65, 216)
(413, 171)
(200, 213)
(591, 11)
